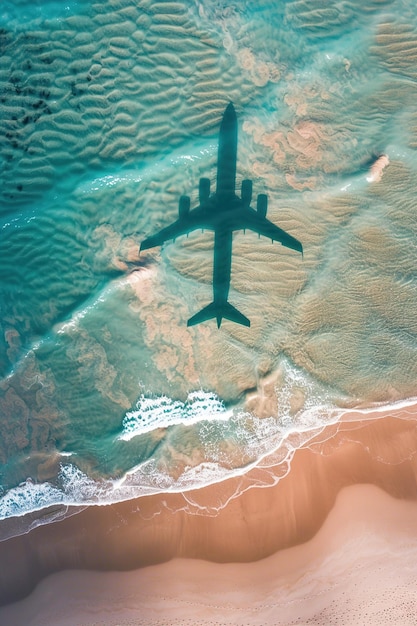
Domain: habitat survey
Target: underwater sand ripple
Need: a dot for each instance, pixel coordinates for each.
(54, 94)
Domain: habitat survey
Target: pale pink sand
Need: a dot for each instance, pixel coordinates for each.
(352, 567)
(359, 569)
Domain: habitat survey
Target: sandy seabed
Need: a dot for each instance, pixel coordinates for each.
(333, 542)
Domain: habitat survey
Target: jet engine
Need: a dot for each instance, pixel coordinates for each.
(246, 192)
(204, 190)
(262, 204)
(184, 206)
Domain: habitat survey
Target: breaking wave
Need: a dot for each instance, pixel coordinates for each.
(151, 413)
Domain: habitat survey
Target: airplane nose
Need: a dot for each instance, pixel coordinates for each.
(230, 110)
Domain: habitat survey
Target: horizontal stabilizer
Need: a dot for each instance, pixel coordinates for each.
(219, 311)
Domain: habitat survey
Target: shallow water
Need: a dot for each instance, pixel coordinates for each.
(110, 112)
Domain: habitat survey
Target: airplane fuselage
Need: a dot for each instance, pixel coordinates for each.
(223, 212)
(227, 154)
(219, 211)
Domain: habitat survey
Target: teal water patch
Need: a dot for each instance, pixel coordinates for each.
(18, 14)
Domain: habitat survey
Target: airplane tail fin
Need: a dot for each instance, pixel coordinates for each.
(219, 311)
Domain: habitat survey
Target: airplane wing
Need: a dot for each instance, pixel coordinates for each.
(186, 224)
(180, 227)
(252, 220)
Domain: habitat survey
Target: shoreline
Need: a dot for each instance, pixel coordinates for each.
(19, 524)
(232, 521)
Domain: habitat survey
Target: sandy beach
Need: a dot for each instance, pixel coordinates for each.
(335, 539)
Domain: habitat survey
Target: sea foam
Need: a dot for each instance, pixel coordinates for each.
(161, 412)
(27, 497)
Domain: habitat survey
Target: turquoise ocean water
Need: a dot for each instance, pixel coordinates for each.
(109, 112)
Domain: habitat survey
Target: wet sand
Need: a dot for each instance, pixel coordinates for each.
(335, 539)
(360, 568)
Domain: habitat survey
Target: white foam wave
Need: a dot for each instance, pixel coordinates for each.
(161, 412)
(28, 497)
(73, 487)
